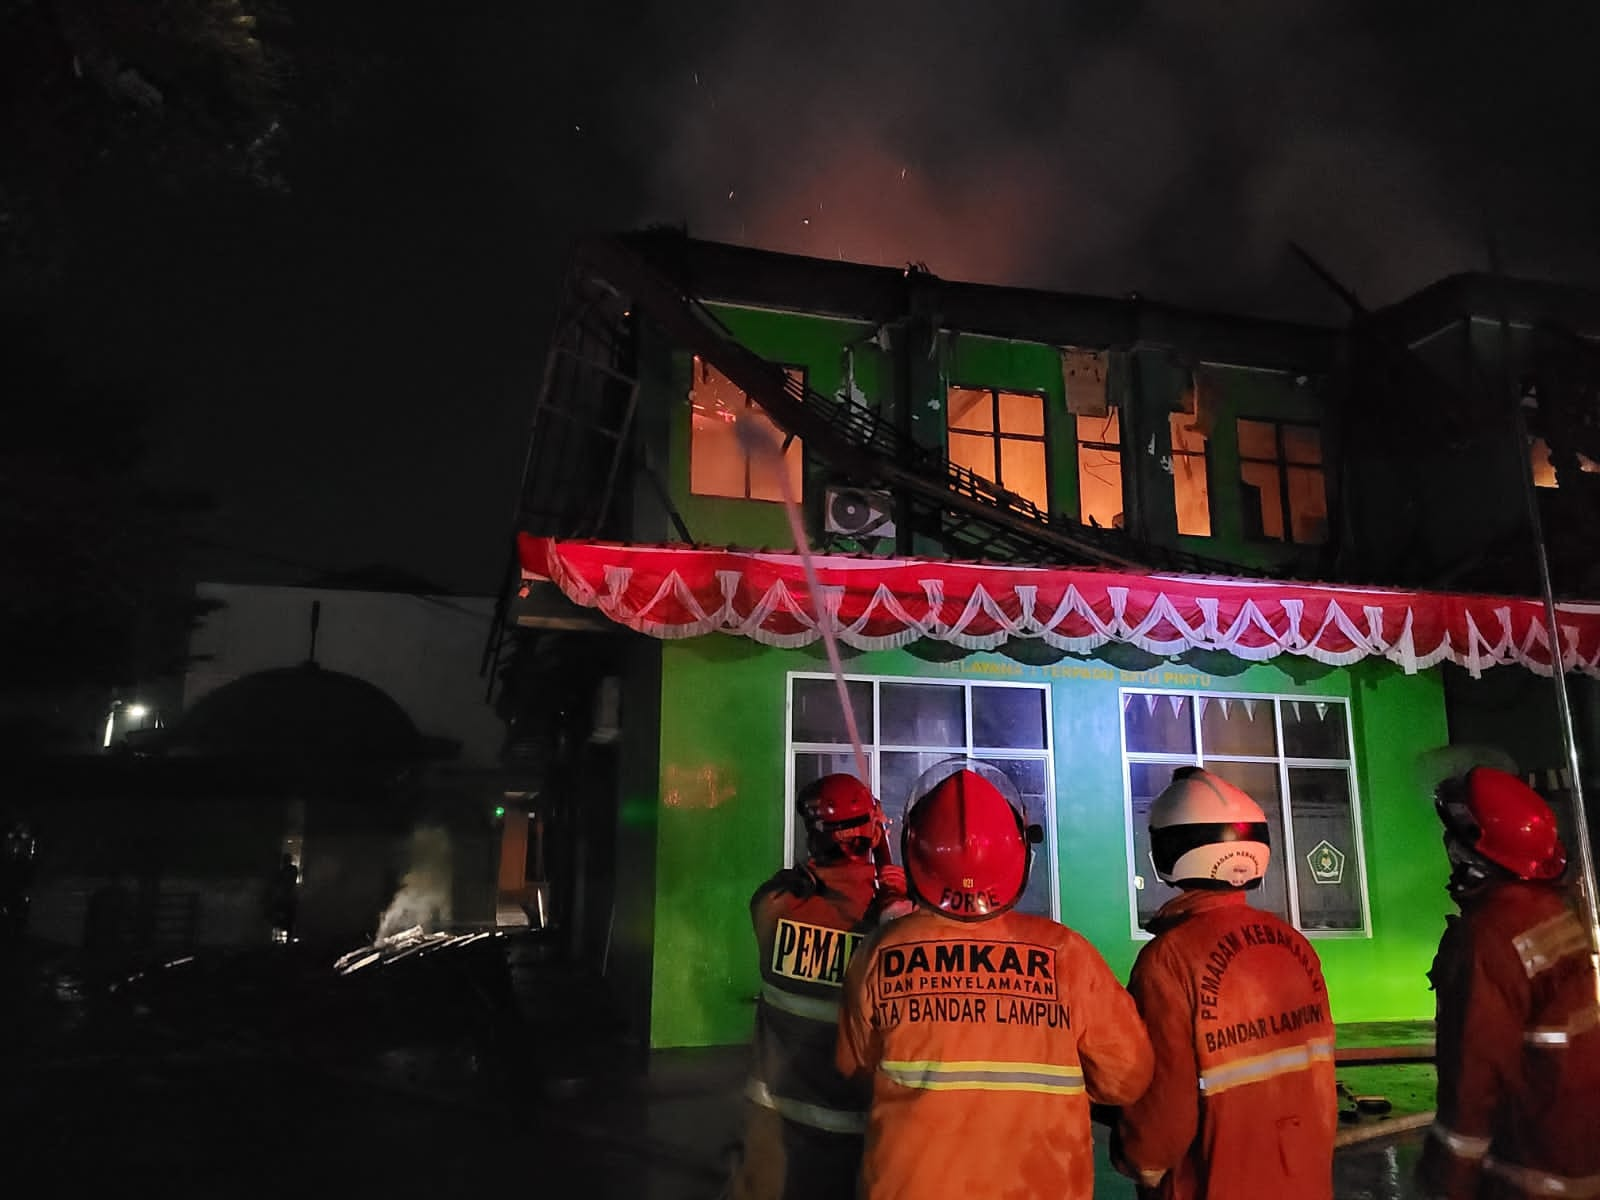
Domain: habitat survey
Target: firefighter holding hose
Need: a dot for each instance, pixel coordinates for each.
(805, 1122)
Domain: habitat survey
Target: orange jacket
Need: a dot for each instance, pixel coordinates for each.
(986, 1042)
(1244, 1103)
(808, 922)
(1518, 1050)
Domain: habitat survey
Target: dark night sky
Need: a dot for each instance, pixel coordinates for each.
(350, 368)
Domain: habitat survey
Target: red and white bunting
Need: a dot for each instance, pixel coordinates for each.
(884, 603)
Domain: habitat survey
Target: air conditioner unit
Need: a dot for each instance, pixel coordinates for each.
(857, 513)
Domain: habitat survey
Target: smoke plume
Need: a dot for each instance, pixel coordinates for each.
(1174, 147)
(424, 896)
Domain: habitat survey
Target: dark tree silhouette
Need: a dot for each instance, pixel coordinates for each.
(104, 98)
(93, 595)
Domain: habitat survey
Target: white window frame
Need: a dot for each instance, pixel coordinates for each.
(1284, 765)
(874, 749)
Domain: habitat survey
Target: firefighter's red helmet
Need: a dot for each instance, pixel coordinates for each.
(966, 847)
(841, 817)
(1495, 816)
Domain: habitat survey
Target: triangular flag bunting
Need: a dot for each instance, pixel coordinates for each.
(1295, 705)
(1224, 704)
(1249, 708)
(1150, 702)
(1322, 711)
(1203, 700)
(1177, 704)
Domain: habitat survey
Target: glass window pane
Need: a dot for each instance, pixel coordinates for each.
(975, 452)
(1184, 436)
(1260, 780)
(1159, 722)
(1261, 501)
(1231, 725)
(1325, 848)
(898, 772)
(716, 460)
(1012, 717)
(1308, 505)
(1258, 439)
(1104, 430)
(1029, 776)
(808, 768)
(765, 481)
(1021, 413)
(1302, 444)
(1191, 494)
(971, 408)
(1315, 729)
(1022, 471)
(923, 714)
(818, 716)
(1146, 781)
(1100, 487)
(1544, 472)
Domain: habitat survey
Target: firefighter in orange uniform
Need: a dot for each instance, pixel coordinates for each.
(1244, 1102)
(985, 1032)
(1518, 1021)
(805, 1123)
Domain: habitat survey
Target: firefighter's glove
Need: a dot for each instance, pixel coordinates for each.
(891, 881)
(1148, 1182)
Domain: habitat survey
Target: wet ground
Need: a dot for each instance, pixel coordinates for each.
(438, 1075)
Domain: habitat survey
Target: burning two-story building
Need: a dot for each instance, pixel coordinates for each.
(1085, 540)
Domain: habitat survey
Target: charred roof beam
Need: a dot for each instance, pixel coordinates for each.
(870, 449)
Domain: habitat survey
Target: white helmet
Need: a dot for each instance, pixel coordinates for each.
(1206, 832)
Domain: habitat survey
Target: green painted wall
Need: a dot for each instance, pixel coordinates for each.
(1265, 395)
(721, 818)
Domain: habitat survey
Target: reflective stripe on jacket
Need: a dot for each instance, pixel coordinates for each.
(1518, 1050)
(986, 1042)
(1243, 1102)
(808, 924)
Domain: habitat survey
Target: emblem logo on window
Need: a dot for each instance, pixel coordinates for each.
(1326, 862)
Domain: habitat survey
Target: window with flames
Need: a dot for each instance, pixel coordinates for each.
(720, 462)
(1000, 436)
(1100, 470)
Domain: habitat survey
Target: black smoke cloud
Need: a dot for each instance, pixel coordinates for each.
(1171, 147)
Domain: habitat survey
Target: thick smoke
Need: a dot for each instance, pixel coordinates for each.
(1171, 147)
(424, 896)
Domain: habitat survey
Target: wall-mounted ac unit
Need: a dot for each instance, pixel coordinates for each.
(856, 513)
